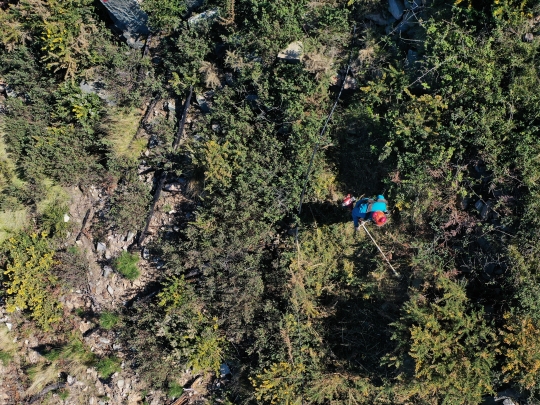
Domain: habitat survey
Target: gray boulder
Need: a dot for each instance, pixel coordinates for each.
(396, 8)
(203, 104)
(130, 19)
(98, 88)
(10, 92)
(208, 15)
(293, 53)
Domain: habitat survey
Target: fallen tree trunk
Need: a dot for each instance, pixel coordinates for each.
(146, 116)
(183, 120)
(85, 220)
(45, 391)
(159, 186)
(142, 69)
(163, 176)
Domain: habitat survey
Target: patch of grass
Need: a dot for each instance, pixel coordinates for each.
(175, 390)
(52, 219)
(5, 357)
(12, 222)
(107, 320)
(108, 366)
(52, 355)
(121, 130)
(126, 264)
(72, 358)
(63, 394)
(55, 195)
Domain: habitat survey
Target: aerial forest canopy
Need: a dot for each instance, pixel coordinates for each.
(171, 226)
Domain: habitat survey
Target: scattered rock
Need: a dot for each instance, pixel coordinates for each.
(10, 93)
(134, 398)
(191, 4)
(293, 53)
(100, 388)
(105, 341)
(101, 247)
(98, 88)
(208, 15)
(224, 370)
(66, 218)
(528, 37)
(110, 290)
(479, 205)
(116, 346)
(120, 384)
(396, 8)
(85, 326)
(130, 236)
(486, 209)
(172, 187)
(203, 104)
(106, 271)
(216, 127)
(153, 142)
(70, 380)
(107, 254)
(170, 106)
(350, 82)
(9, 325)
(146, 254)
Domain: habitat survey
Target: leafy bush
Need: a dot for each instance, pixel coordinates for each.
(52, 220)
(451, 345)
(71, 357)
(108, 320)
(126, 264)
(29, 281)
(164, 15)
(5, 357)
(175, 390)
(108, 366)
(129, 204)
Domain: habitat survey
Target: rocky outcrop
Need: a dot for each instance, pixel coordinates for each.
(130, 19)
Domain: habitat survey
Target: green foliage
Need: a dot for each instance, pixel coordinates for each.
(29, 281)
(175, 390)
(5, 357)
(129, 204)
(108, 366)
(520, 350)
(70, 357)
(164, 15)
(126, 265)
(52, 220)
(108, 320)
(449, 343)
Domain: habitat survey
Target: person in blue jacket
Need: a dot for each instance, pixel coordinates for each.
(367, 209)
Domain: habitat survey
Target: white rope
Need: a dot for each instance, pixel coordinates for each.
(380, 250)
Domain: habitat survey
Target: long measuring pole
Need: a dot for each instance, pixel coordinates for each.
(380, 250)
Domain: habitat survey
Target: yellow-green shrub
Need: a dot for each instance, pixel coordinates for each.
(29, 280)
